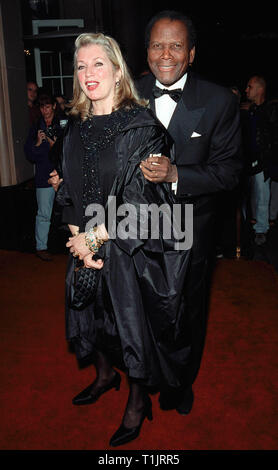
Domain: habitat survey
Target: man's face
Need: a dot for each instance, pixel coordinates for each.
(47, 110)
(253, 90)
(32, 91)
(168, 52)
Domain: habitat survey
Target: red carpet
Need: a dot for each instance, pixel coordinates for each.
(235, 393)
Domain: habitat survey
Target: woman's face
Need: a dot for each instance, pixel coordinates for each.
(97, 77)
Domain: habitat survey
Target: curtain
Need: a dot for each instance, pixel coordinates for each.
(7, 159)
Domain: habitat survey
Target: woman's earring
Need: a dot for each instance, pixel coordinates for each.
(118, 83)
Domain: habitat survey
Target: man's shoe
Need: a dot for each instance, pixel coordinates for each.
(168, 399)
(185, 406)
(260, 239)
(44, 255)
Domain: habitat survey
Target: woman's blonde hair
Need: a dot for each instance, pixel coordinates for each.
(125, 91)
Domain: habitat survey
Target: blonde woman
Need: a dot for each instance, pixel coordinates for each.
(133, 323)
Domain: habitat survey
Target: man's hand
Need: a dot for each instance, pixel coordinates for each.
(51, 141)
(41, 137)
(159, 170)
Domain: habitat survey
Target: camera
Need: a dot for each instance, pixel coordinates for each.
(52, 132)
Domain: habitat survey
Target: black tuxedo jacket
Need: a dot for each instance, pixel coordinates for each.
(205, 127)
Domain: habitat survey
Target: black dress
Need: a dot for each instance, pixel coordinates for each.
(136, 318)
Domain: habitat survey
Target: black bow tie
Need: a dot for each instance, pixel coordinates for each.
(174, 94)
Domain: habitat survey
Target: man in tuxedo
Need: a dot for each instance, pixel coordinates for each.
(203, 120)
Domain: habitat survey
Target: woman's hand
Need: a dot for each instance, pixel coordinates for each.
(55, 180)
(77, 246)
(90, 262)
(102, 232)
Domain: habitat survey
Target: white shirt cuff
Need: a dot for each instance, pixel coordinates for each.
(175, 187)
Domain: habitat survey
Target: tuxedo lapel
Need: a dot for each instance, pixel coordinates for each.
(184, 122)
(187, 114)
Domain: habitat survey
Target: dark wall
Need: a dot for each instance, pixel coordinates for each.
(129, 21)
(233, 41)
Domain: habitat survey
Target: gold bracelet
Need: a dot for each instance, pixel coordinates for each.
(95, 245)
(92, 241)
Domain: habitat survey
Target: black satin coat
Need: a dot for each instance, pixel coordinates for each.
(138, 315)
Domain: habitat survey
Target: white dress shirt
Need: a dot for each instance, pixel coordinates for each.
(165, 107)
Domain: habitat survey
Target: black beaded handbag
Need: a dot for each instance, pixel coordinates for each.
(83, 286)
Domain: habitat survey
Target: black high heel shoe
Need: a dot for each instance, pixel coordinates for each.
(87, 397)
(124, 435)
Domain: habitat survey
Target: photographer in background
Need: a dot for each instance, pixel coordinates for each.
(42, 136)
